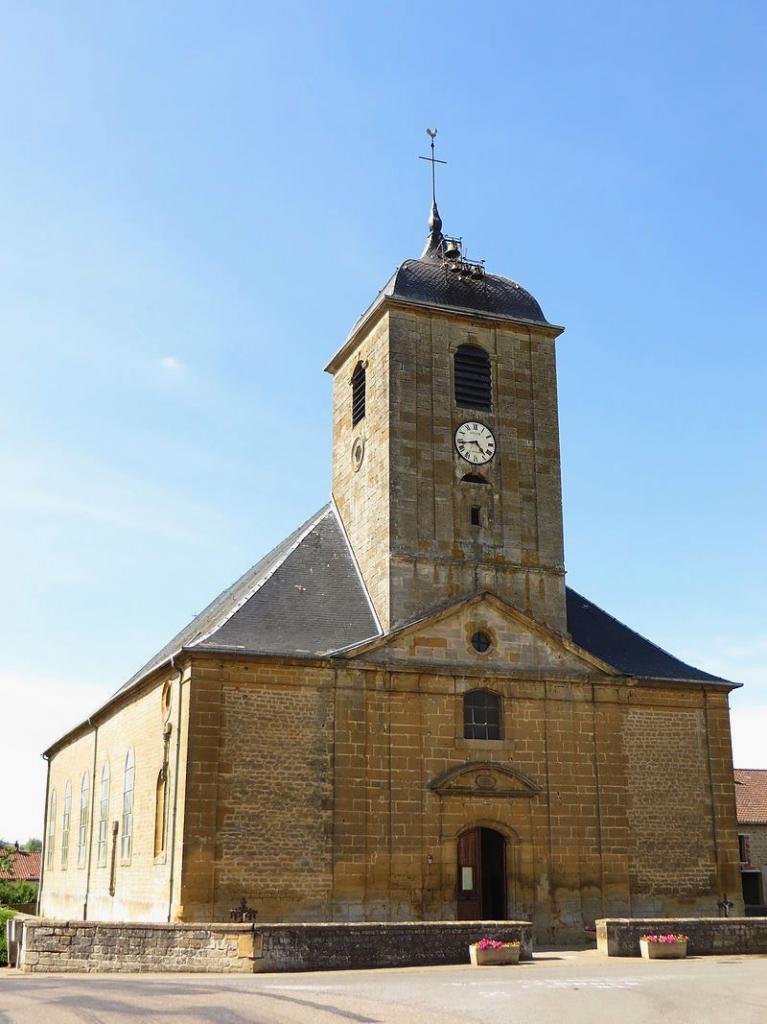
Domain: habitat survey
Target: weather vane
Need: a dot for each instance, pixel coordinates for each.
(432, 133)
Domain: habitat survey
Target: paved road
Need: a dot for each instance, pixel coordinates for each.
(556, 988)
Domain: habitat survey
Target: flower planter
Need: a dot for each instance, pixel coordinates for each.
(663, 950)
(485, 957)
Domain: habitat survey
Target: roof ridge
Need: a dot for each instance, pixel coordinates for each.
(356, 565)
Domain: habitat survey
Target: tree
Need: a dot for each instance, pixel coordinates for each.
(33, 845)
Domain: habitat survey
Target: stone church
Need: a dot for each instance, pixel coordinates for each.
(402, 712)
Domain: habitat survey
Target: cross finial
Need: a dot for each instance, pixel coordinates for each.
(432, 133)
(434, 240)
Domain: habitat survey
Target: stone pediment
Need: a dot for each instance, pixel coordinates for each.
(518, 643)
(484, 779)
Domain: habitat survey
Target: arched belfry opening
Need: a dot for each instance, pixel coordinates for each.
(481, 876)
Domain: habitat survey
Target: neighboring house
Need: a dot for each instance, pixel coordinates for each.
(24, 866)
(751, 802)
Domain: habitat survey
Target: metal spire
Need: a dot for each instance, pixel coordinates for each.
(434, 241)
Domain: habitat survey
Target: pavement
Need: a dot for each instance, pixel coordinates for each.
(557, 987)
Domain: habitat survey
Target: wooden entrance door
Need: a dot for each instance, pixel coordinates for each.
(469, 876)
(481, 878)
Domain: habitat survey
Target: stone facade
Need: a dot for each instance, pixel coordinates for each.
(406, 509)
(348, 824)
(104, 884)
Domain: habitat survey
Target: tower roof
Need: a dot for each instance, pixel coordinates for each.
(443, 278)
(429, 281)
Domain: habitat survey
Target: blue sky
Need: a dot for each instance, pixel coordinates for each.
(197, 201)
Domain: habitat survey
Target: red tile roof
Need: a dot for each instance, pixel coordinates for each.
(25, 867)
(751, 795)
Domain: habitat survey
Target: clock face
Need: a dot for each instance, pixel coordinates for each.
(475, 443)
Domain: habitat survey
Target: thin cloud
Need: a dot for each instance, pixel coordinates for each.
(171, 363)
(57, 483)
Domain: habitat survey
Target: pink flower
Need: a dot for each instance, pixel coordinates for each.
(495, 944)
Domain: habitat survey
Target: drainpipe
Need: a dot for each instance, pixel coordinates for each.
(175, 786)
(44, 852)
(90, 821)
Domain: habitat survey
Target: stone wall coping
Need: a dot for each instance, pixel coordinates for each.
(680, 920)
(392, 925)
(158, 926)
(221, 926)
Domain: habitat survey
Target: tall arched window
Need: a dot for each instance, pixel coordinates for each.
(65, 819)
(82, 831)
(51, 837)
(358, 394)
(101, 853)
(472, 378)
(127, 830)
(481, 715)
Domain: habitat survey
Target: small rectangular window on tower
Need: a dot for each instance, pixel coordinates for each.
(358, 394)
(476, 515)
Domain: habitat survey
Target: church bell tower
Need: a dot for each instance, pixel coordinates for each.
(446, 467)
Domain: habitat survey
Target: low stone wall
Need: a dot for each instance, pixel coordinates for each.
(309, 947)
(59, 946)
(707, 935)
(90, 946)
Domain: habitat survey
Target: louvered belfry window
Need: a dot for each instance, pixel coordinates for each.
(358, 394)
(472, 378)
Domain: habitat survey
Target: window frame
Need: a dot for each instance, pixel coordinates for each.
(359, 393)
(477, 727)
(82, 823)
(50, 851)
(465, 389)
(101, 845)
(66, 822)
(129, 787)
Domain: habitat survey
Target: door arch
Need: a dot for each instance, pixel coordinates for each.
(481, 875)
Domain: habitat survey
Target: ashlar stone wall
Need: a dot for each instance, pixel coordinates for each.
(54, 946)
(406, 508)
(317, 795)
(105, 884)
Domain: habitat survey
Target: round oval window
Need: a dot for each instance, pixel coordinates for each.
(165, 700)
(481, 642)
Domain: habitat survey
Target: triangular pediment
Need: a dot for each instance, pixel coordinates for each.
(484, 779)
(444, 638)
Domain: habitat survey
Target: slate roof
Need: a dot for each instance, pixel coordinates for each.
(605, 637)
(303, 598)
(751, 795)
(25, 867)
(306, 599)
(430, 282)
